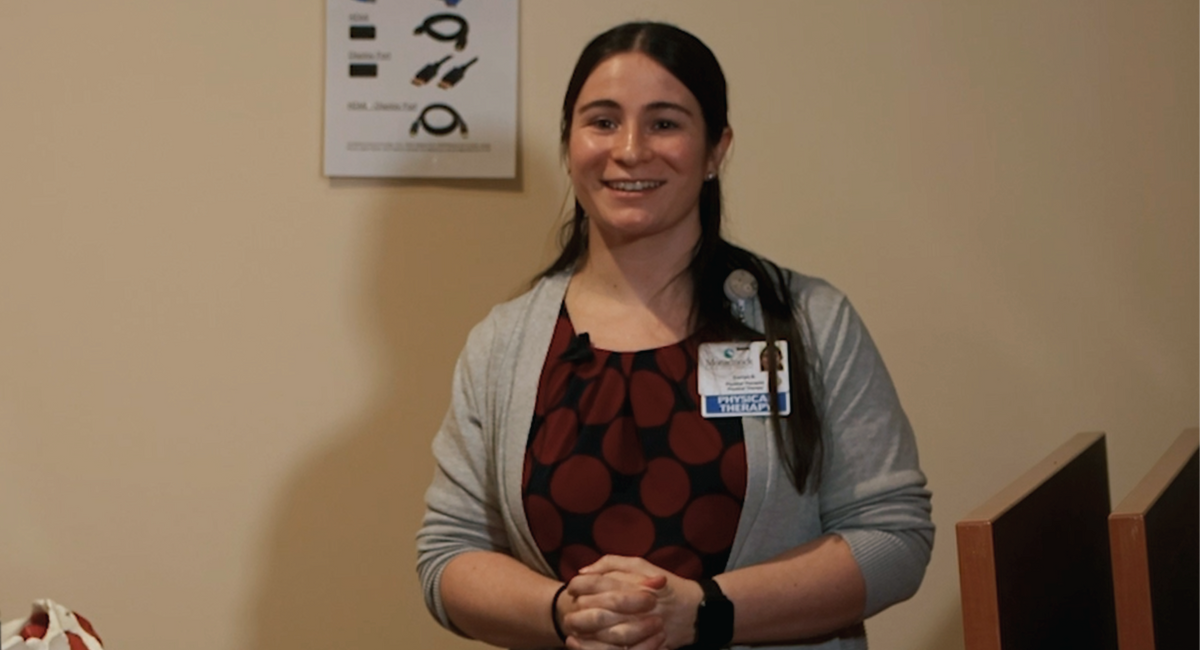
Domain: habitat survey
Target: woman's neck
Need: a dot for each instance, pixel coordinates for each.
(633, 296)
(634, 276)
(643, 269)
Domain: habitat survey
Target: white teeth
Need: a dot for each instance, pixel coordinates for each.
(633, 186)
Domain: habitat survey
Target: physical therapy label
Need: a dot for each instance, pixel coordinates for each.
(733, 378)
(421, 89)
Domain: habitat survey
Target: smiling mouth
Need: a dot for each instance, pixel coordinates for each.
(633, 186)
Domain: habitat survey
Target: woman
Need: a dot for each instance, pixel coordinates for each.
(587, 494)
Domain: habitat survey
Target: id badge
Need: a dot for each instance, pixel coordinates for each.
(733, 378)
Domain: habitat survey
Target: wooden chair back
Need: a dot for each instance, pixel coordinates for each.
(1155, 551)
(1034, 559)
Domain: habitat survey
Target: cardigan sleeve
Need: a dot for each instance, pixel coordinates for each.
(462, 507)
(872, 491)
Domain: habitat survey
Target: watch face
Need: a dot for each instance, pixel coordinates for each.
(717, 608)
(714, 622)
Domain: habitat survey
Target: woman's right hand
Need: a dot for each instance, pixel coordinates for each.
(611, 612)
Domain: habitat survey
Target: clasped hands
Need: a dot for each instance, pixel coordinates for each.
(628, 603)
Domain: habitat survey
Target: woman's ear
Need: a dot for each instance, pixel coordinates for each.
(718, 152)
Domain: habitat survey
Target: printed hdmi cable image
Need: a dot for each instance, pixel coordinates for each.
(430, 71)
(455, 75)
(459, 37)
(456, 122)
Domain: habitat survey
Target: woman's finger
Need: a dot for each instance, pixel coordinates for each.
(653, 643)
(622, 601)
(591, 621)
(646, 632)
(636, 579)
(583, 585)
(610, 563)
(652, 582)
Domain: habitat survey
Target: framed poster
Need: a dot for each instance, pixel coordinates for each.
(421, 88)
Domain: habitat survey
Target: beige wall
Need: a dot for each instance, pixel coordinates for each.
(220, 372)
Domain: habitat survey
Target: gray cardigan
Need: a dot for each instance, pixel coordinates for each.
(872, 492)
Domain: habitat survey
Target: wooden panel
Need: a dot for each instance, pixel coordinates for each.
(977, 581)
(1155, 552)
(1131, 582)
(1034, 559)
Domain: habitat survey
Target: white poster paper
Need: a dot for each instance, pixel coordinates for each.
(421, 88)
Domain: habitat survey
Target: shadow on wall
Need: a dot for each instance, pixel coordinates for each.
(339, 565)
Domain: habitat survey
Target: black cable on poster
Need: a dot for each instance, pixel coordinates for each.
(455, 75)
(429, 71)
(459, 37)
(456, 122)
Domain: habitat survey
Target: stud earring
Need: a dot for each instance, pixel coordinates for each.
(710, 176)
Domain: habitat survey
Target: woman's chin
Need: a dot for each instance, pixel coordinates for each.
(629, 226)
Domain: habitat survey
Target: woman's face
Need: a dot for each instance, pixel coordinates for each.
(637, 153)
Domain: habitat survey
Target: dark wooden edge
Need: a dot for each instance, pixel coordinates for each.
(977, 582)
(1012, 494)
(1127, 539)
(976, 553)
(1143, 496)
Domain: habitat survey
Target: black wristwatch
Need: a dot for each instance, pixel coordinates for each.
(714, 618)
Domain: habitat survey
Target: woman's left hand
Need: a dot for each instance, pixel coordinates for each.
(676, 600)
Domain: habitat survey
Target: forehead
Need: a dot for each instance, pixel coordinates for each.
(632, 80)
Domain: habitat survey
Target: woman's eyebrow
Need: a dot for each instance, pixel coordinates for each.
(672, 106)
(599, 103)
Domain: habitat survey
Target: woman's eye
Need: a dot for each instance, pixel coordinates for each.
(603, 123)
(664, 125)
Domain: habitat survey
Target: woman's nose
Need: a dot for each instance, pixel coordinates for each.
(632, 147)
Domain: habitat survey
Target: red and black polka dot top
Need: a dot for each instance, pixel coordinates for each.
(620, 461)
